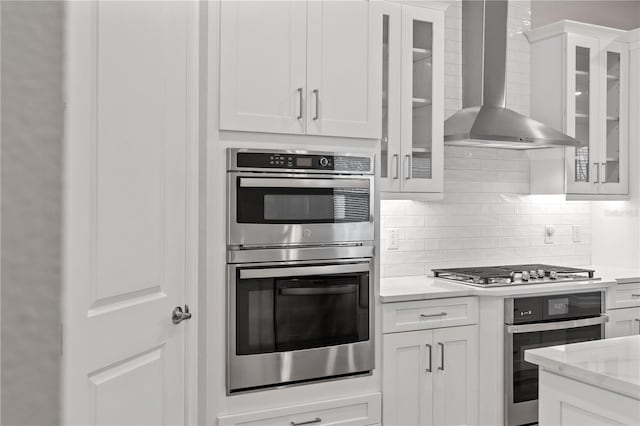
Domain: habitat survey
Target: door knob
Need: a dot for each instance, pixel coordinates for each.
(178, 315)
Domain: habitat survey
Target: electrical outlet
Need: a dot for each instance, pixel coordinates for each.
(394, 236)
(549, 230)
(577, 233)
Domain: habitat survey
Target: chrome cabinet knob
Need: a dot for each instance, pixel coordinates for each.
(178, 315)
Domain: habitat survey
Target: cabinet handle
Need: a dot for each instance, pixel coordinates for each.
(604, 173)
(308, 422)
(441, 314)
(635, 295)
(407, 159)
(317, 96)
(441, 356)
(395, 161)
(597, 173)
(299, 103)
(428, 370)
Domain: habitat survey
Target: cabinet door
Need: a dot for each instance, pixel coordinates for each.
(455, 381)
(388, 16)
(422, 100)
(583, 162)
(623, 322)
(263, 66)
(614, 125)
(407, 378)
(343, 70)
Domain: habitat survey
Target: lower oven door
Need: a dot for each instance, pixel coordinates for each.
(299, 321)
(521, 377)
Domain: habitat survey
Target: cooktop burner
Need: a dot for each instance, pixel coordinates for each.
(493, 276)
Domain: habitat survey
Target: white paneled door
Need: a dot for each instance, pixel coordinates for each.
(128, 149)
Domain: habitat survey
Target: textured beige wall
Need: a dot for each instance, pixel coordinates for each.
(623, 14)
(31, 165)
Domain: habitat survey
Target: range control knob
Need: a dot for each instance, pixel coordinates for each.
(525, 276)
(541, 273)
(553, 275)
(324, 162)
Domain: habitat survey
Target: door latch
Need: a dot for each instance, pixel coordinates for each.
(178, 315)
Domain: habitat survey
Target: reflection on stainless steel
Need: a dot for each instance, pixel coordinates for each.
(484, 119)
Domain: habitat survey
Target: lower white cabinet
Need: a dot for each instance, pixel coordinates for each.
(430, 377)
(623, 322)
(361, 410)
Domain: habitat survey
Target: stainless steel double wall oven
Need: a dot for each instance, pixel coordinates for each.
(300, 267)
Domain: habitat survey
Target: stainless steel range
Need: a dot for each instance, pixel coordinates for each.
(507, 275)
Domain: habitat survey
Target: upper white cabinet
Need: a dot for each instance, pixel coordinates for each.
(580, 80)
(299, 67)
(411, 157)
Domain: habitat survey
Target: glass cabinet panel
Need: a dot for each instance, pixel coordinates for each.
(384, 141)
(422, 115)
(611, 172)
(582, 114)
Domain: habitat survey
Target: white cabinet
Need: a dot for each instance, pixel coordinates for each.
(430, 377)
(354, 411)
(623, 322)
(579, 85)
(412, 144)
(299, 67)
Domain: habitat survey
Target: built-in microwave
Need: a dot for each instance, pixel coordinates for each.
(294, 322)
(281, 198)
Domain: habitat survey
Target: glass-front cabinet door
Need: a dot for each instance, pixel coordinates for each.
(411, 147)
(422, 100)
(582, 114)
(389, 17)
(614, 124)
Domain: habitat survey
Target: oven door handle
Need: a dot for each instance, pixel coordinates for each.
(318, 291)
(303, 183)
(304, 271)
(559, 325)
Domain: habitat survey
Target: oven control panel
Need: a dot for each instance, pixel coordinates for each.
(316, 162)
(523, 310)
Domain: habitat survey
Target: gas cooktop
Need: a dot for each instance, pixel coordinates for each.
(497, 276)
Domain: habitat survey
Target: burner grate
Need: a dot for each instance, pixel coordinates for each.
(490, 274)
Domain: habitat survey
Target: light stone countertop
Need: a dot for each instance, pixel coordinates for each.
(621, 274)
(421, 287)
(612, 364)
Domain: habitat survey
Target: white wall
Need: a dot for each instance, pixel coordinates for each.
(486, 216)
(32, 128)
(623, 14)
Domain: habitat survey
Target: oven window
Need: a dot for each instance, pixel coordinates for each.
(301, 205)
(525, 375)
(287, 314)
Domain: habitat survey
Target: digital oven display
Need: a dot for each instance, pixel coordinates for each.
(304, 162)
(558, 306)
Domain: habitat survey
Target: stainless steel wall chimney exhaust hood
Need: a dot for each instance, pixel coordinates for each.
(484, 119)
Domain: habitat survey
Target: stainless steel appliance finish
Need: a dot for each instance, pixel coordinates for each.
(484, 119)
(278, 198)
(508, 275)
(541, 321)
(264, 364)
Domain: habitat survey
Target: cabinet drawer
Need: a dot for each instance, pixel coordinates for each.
(424, 314)
(358, 411)
(624, 296)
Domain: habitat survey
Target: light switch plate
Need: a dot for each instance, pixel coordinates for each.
(393, 240)
(577, 234)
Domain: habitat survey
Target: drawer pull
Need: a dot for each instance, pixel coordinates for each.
(309, 422)
(441, 314)
(635, 295)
